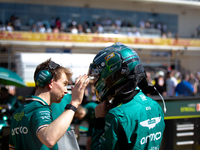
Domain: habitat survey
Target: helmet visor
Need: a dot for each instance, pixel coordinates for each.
(93, 72)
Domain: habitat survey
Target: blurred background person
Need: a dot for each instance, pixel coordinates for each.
(7, 100)
(185, 88)
(89, 92)
(86, 113)
(7, 103)
(149, 79)
(17, 24)
(171, 83)
(198, 82)
(192, 78)
(160, 84)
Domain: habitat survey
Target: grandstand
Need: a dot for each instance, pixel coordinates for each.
(136, 16)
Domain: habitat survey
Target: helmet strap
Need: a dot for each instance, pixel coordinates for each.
(145, 87)
(124, 98)
(125, 89)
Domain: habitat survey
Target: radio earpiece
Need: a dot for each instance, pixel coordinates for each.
(44, 76)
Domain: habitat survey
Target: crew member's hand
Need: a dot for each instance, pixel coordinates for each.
(102, 109)
(78, 90)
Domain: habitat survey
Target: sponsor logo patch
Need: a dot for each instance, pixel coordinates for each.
(143, 97)
(19, 130)
(18, 116)
(151, 137)
(113, 68)
(109, 56)
(150, 123)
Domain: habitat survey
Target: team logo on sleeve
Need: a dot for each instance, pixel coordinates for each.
(18, 116)
(150, 123)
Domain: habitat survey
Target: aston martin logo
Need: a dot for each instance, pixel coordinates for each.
(150, 123)
(18, 116)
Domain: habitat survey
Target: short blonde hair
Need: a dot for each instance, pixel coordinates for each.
(57, 72)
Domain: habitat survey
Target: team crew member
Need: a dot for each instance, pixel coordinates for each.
(86, 113)
(126, 118)
(7, 100)
(32, 126)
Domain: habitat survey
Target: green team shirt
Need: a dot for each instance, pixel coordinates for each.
(58, 108)
(27, 120)
(142, 120)
(90, 116)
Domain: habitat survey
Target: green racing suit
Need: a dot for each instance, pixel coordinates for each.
(142, 121)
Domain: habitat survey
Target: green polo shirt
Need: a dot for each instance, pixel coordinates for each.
(58, 108)
(27, 120)
(89, 117)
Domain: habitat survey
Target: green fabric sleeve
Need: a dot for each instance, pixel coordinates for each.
(41, 117)
(106, 138)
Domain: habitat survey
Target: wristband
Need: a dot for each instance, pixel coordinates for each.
(70, 106)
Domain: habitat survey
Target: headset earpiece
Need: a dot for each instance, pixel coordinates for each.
(44, 76)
